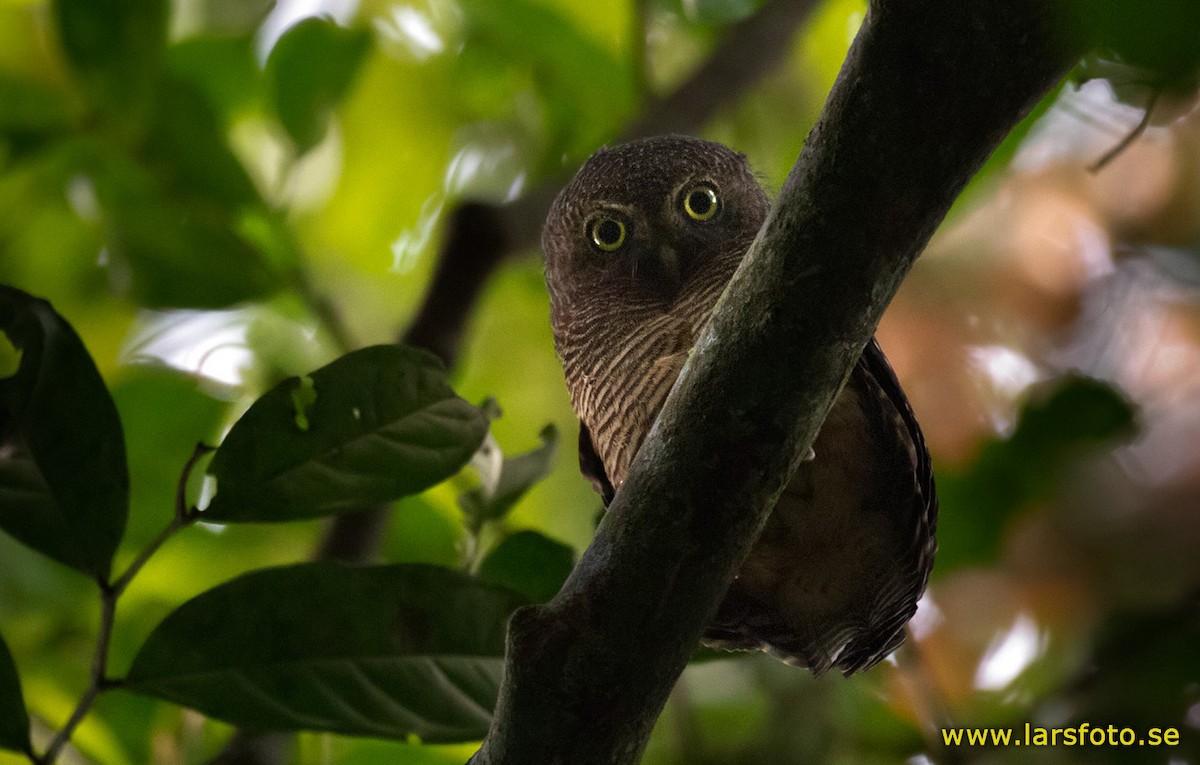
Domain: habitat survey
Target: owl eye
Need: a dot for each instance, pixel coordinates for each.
(700, 203)
(607, 233)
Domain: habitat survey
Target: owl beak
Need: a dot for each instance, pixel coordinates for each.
(669, 268)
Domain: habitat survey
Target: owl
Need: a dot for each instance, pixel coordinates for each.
(639, 246)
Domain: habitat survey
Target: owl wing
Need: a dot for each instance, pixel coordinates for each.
(592, 466)
(846, 552)
(877, 364)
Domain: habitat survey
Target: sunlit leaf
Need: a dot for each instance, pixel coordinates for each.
(1060, 422)
(386, 651)
(529, 563)
(517, 476)
(383, 422)
(64, 484)
(115, 47)
(14, 721)
(719, 11)
(309, 70)
(232, 16)
(586, 94)
(165, 414)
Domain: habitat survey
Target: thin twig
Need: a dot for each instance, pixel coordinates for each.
(182, 517)
(109, 593)
(1134, 134)
(97, 683)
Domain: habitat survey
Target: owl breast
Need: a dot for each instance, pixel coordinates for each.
(618, 393)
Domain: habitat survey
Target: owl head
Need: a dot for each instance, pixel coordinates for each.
(650, 222)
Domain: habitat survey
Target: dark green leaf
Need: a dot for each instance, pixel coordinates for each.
(14, 721)
(187, 150)
(1060, 422)
(1142, 673)
(185, 255)
(115, 47)
(529, 563)
(517, 476)
(1162, 37)
(30, 106)
(308, 72)
(64, 484)
(384, 423)
(382, 651)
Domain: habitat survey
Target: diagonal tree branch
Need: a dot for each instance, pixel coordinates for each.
(929, 89)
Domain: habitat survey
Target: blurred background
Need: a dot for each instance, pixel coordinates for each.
(221, 193)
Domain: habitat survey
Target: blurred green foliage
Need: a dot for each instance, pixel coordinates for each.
(218, 195)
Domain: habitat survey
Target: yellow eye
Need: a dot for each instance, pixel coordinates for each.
(701, 202)
(607, 233)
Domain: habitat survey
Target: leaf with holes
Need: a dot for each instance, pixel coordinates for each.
(390, 651)
(382, 423)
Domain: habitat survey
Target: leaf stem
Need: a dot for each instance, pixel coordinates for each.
(109, 593)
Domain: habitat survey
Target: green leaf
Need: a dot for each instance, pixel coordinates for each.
(308, 71)
(222, 67)
(1161, 37)
(14, 720)
(1142, 673)
(185, 255)
(187, 150)
(233, 16)
(529, 563)
(385, 423)
(497, 497)
(165, 412)
(586, 94)
(719, 11)
(179, 213)
(31, 106)
(115, 47)
(64, 484)
(1062, 420)
(386, 651)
